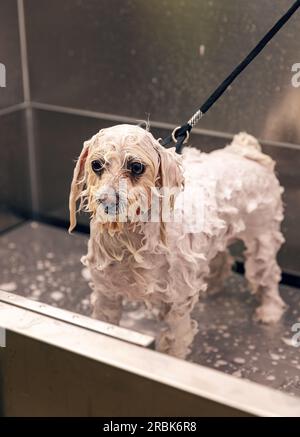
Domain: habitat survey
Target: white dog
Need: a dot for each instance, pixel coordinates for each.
(161, 225)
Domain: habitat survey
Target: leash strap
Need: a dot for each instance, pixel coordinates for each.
(180, 135)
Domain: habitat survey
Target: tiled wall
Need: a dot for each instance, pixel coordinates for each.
(94, 63)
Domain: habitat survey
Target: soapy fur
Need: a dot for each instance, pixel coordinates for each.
(167, 265)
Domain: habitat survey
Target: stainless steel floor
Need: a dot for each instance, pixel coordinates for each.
(43, 263)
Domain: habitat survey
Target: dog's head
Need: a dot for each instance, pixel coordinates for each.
(119, 172)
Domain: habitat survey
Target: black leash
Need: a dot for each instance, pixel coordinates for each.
(181, 134)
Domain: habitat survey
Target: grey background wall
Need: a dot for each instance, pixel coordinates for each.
(10, 54)
(139, 57)
(94, 63)
(14, 170)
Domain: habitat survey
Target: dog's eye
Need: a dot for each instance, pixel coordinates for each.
(97, 166)
(136, 167)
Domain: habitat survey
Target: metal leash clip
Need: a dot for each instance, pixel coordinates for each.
(187, 135)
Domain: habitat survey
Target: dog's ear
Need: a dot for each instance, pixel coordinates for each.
(170, 181)
(77, 184)
(170, 172)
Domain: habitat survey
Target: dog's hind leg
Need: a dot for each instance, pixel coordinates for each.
(263, 272)
(219, 270)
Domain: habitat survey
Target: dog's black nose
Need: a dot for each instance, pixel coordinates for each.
(109, 202)
(111, 199)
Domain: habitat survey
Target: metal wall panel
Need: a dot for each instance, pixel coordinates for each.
(163, 58)
(15, 197)
(10, 54)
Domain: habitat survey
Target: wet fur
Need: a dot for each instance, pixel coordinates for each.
(164, 264)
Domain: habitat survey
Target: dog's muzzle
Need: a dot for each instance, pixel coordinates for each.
(110, 202)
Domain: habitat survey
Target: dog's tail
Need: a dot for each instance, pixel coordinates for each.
(248, 146)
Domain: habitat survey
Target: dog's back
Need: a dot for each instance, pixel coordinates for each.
(242, 200)
(236, 180)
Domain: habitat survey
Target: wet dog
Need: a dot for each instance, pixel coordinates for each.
(161, 225)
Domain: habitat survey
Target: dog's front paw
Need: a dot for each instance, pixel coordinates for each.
(270, 312)
(178, 346)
